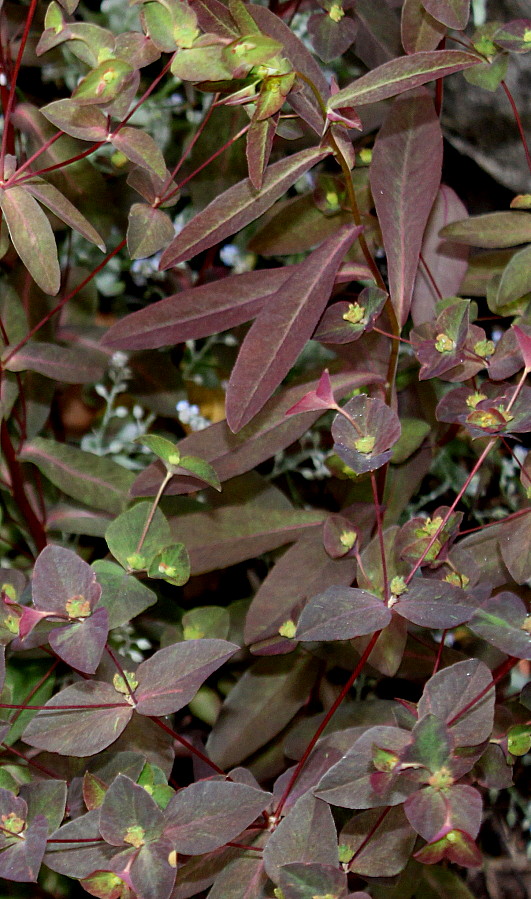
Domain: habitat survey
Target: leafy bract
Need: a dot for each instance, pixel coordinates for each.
(452, 13)
(124, 534)
(172, 676)
(282, 328)
(57, 203)
(208, 814)
(449, 692)
(238, 206)
(503, 620)
(149, 230)
(341, 613)
(402, 74)
(364, 432)
(94, 717)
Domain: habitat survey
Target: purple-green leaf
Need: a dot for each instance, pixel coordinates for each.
(420, 31)
(258, 146)
(238, 206)
(405, 177)
(172, 676)
(515, 546)
(306, 834)
(451, 690)
(503, 620)
(32, 237)
(452, 13)
(207, 814)
(364, 433)
(433, 604)
(79, 859)
(83, 122)
(197, 311)
(446, 261)
(341, 613)
(54, 200)
(139, 147)
(282, 328)
(20, 854)
(129, 815)
(148, 231)
(90, 479)
(491, 230)
(402, 74)
(390, 846)
(81, 643)
(80, 731)
(68, 365)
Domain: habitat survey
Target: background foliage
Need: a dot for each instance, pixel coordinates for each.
(264, 620)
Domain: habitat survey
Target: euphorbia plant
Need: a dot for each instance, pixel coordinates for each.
(197, 627)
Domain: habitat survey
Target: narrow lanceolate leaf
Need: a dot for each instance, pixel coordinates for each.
(32, 237)
(197, 312)
(90, 479)
(492, 230)
(405, 177)
(258, 148)
(71, 366)
(54, 200)
(282, 328)
(402, 74)
(238, 206)
(172, 676)
(452, 13)
(148, 231)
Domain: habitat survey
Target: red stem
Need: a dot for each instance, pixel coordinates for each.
(13, 85)
(184, 742)
(35, 527)
(204, 164)
(497, 676)
(518, 124)
(65, 300)
(331, 711)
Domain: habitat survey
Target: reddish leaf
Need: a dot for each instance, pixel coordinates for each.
(206, 815)
(306, 834)
(231, 534)
(198, 311)
(458, 806)
(524, 342)
(331, 38)
(420, 31)
(128, 806)
(282, 328)
(320, 398)
(456, 846)
(140, 148)
(514, 36)
(452, 13)
(20, 854)
(390, 846)
(402, 74)
(364, 432)
(238, 206)
(450, 690)
(81, 643)
(405, 177)
(301, 880)
(441, 260)
(433, 604)
(84, 731)
(172, 676)
(341, 613)
(63, 364)
(79, 859)
(32, 237)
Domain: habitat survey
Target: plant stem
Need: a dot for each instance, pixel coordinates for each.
(35, 526)
(12, 87)
(498, 675)
(331, 711)
(519, 125)
(184, 742)
(167, 478)
(379, 528)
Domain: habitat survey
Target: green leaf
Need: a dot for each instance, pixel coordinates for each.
(200, 469)
(123, 596)
(492, 230)
(148, 230)
(104, 83)
(172, 565)
(402, 74)
(90, 479)
(124, 533)
(83, 122)
(167, 451)
(32, 237)
(206, 621)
